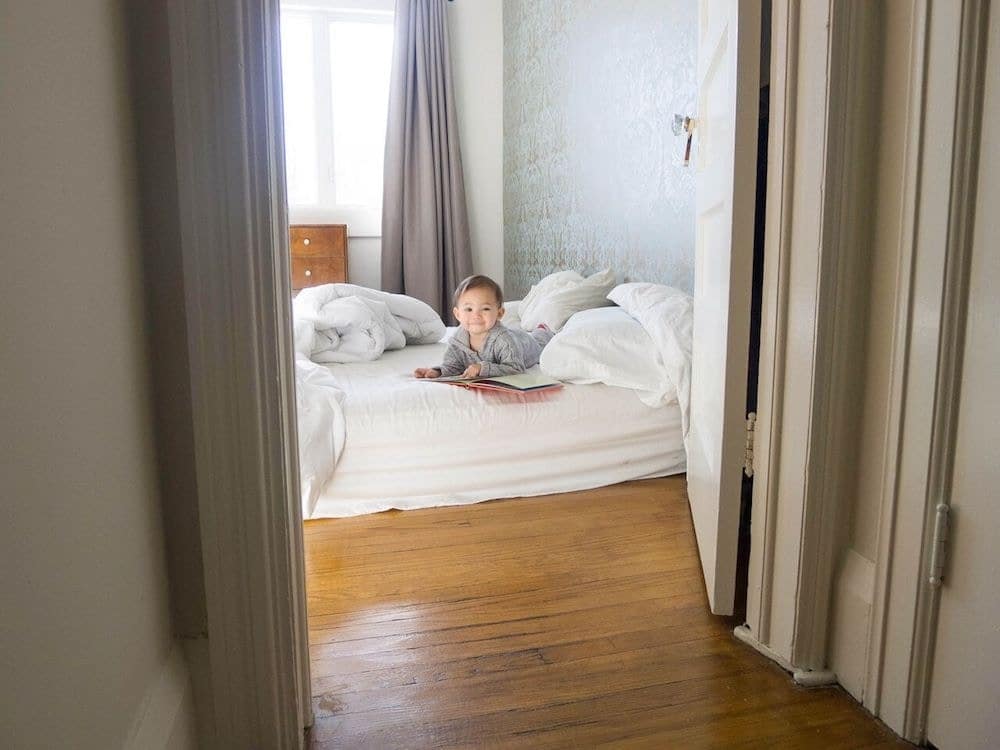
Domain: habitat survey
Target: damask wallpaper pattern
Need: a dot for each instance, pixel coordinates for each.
(592, 175)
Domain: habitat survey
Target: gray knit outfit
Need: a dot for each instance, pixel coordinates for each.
(506, 351)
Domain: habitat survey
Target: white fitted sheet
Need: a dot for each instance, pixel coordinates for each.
(414, 444)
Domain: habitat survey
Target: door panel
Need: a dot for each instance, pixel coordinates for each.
(725, 162)
(964, 708)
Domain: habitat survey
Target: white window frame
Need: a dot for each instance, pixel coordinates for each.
(362, 221)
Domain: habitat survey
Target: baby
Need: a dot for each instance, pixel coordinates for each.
(483, 347)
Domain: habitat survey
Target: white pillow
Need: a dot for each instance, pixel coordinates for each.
(549, 284)
(607, 345)
(512, 313)
(667, 315)
(559, 295)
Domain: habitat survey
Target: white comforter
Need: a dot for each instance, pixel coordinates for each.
(322, 428)
(343, 323)
(667, 314)
(350, 323)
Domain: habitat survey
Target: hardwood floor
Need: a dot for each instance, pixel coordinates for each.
(567, 621)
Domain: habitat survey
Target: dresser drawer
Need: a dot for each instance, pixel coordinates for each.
(318, 240)
(314, 271)
(319, 254)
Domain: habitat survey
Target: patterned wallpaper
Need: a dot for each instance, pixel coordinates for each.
(591, 168)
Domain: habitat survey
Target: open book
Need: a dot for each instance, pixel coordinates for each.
(522, 382)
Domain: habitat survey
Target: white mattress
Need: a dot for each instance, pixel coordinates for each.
(417, 444)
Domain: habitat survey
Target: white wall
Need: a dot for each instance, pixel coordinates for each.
(475, 32)
(854, 581)
(364, 261)
(85, 630)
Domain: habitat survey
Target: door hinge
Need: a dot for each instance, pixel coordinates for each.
(939, 548)
(748, 451)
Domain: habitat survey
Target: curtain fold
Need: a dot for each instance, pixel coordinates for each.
(426, 250)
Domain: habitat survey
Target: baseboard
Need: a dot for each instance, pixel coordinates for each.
(814, 677)
(804, 677)
(165, 719)
(744, 634)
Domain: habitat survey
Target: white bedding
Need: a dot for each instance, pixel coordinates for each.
(350, 323)
(416, 444)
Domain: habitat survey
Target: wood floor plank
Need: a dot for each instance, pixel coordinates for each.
(549, 634)
(573, 620)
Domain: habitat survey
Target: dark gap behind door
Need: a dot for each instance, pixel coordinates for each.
(743, 548)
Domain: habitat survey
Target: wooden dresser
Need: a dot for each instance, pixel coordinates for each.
(319, 254)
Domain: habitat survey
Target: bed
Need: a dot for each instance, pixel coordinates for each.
(373, 438)
(417, 444)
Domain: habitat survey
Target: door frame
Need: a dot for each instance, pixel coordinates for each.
(795, 525)
(796, 528)
(812, 261)
(251, 683)
(225, 91)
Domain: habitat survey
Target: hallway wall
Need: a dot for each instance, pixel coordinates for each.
(86, 632)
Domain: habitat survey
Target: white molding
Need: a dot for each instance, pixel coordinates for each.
(803, 677)
(812, 256)
(839, 300)
(774, 316)
(167, 710)
(226, 103)
(841, 310)
(814, 677)
(745, 635)
(889, 485)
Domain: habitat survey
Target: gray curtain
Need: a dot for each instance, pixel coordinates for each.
(425, 227)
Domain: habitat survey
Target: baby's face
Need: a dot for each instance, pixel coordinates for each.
(478, 310)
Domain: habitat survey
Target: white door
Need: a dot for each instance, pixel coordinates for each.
(964, 708)
(725, 159)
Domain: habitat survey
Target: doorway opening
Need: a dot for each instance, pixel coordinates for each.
(353, 473)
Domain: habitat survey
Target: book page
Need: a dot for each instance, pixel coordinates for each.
(523, 380)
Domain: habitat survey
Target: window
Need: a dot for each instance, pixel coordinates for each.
(336, 59)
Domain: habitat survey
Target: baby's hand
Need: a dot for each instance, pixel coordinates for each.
(426, 372)
(472, 371)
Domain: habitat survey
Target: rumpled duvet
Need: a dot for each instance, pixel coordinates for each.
(343, 323)
(350, 323)
(667, 314)
(322, 428)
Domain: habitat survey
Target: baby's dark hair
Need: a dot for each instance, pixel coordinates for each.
(479, 282)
